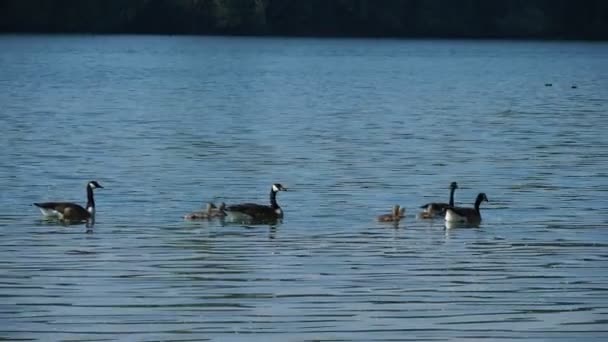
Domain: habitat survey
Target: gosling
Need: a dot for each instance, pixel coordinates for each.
(395, 216)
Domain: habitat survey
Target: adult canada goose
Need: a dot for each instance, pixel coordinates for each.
(71, 212)
(437, 208)
(211, 211)
(466, 215)
(397, 214)
(257, 213)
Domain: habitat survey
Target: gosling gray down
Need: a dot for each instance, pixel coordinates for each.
(396, 215)
(211, 211)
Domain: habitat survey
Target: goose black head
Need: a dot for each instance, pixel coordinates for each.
(453, 185)
(396, 210)
(278, 187)
(94, 185)
(482, 197)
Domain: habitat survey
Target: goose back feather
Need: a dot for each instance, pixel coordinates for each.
(466, 215)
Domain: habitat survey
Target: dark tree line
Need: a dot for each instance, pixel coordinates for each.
(554, 19)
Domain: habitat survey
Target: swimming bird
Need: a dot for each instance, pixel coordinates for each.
(396, 214)
(201, 215)
(466, 215)
(220, 211)
(435, 209)
(71, 212)
(257, 213)
(211, 211)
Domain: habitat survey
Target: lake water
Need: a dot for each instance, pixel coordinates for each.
(351, 127)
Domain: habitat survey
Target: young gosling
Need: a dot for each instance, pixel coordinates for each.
(202, 215)
(219, 212)
(397, 214)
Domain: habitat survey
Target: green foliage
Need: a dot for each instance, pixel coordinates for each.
(582, 19)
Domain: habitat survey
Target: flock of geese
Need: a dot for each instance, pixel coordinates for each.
(448, 211)
(253, 213)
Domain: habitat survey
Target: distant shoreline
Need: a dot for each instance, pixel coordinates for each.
(563, 20)
(328, 37)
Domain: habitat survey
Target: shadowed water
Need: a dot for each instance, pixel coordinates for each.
(352, 127)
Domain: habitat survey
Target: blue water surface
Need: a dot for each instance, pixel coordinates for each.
(351, 127)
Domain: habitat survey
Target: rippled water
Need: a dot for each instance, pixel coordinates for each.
(352, 127)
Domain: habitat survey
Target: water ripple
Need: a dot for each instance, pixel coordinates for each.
(352, 127)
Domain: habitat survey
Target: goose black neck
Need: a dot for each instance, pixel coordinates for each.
(478, 202)
(273, 199)
(452, 196)
(90, 199)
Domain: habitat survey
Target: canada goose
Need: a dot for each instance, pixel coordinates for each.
(437, 208)
(397, 214)
(257, 213)
(466, 215)
(401, 213)
(71, 212)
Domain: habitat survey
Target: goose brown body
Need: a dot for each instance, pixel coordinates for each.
(466, 215)
(64, 211)
(72, 212)
(435, 209)
(257, 213)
